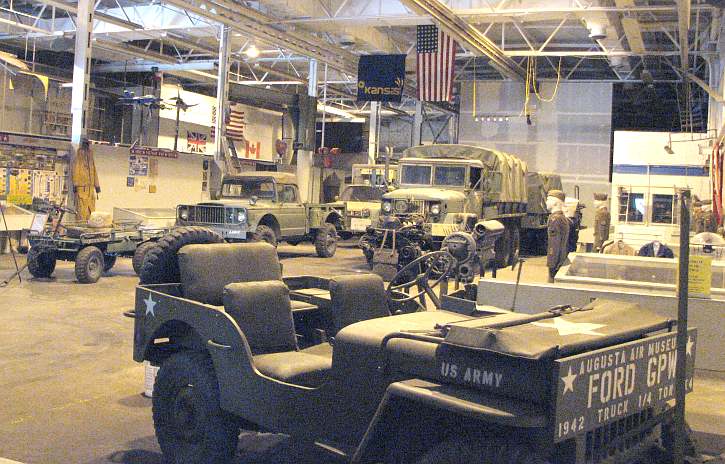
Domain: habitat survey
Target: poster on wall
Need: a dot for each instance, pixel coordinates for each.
(138, 165)
(195, 142)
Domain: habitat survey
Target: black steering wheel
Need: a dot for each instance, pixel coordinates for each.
(434, 265)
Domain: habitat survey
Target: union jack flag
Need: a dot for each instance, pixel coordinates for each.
(436, 58)
(195, 142)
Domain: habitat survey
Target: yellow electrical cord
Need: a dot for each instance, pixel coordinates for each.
(475, 101)
(556, 87)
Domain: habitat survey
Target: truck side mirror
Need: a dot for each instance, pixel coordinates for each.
(253, 200)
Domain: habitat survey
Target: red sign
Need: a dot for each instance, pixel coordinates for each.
(158, 152)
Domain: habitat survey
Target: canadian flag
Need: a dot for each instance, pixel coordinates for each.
(252, 150)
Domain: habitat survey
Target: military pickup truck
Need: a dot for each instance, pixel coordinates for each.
(361, 204)
(465, 384)
(266, 206)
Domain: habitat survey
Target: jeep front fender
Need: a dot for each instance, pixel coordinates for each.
(465, 405)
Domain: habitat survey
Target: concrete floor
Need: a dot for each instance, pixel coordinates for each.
(71, 392)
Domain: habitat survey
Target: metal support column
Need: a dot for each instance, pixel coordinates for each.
(222, 93)
(305, 161)
(81, 82)
(417, 124)
(680, 430)
(374, 132)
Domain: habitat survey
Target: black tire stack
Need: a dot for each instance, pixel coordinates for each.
(161, 264)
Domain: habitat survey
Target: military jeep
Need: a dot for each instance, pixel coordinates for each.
(266, 206)
(463, 384)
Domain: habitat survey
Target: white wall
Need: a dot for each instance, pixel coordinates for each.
(177, 181)
(570, 136)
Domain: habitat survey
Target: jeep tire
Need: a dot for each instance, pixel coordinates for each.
(326, 241)
(265, 234)
(89, 265)
(161, 265)
(191, 428)
(41, 263)
(476, 451)
(139, 255)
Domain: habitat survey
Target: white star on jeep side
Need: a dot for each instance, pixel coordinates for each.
(690, 343)
(150, 303)
(565, 327)
(569, 382)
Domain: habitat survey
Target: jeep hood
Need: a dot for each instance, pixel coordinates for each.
(425, 193)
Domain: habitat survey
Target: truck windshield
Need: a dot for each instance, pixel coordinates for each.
(415, 174)
(261, 188)
(362, 193)
(450, 175)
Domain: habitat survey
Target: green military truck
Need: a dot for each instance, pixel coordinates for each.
(447, 188)
(266, 206)
(465, 384)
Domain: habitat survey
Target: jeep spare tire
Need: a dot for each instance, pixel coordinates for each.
(326, 241)
(139, 255)
(265, 234)
(89, 265)
(161, 264)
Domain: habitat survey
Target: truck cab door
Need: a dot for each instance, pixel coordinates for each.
(292, 216)
(474, 199)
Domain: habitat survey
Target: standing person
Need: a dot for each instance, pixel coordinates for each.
(602, 220)
(85, 181)
(557, 232)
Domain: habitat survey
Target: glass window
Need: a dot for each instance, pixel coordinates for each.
(288, 194)
(450, 175)
(247, 188)
(415, 174)
(632, 207)
(664, 209)
(362, 193)
(474, 181)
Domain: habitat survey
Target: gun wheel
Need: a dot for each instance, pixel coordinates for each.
(41, 263)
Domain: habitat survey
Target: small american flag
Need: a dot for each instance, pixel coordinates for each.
(195, 142)
(436, 58)
(716, 174)
(235, 126)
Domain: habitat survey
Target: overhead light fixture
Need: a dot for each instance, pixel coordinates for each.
(597, 31)
(252, 51)
(334, 110)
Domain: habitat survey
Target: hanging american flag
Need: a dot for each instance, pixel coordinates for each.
(235, 126)
(436, 58)
(716, 174)
(195, 142)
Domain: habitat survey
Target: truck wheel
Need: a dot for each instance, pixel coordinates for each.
(265, 234)
(41, 263)
(108, 262)
(326, 241)
(161, 265)
(89, 265)
(139, 255)
(488, 451)
(191, 428)
(503, 248)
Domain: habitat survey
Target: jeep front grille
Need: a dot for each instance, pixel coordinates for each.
(406, 207)
(206, 214)
(618, 437)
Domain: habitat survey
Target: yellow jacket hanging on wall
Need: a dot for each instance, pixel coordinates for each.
(85, 181)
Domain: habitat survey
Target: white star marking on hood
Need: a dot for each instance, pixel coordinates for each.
(565, 327)
(150, 303)
(569, 382)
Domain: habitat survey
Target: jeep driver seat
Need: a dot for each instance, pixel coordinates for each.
(356, 298)
(264, 314)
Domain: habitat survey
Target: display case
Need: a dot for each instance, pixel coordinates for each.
(631, 271)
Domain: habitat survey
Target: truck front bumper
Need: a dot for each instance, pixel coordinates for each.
(230, 232)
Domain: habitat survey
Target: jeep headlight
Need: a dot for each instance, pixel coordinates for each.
(365, 213)
(387, 206)
(184, 214)
(435, 208)
(241, 216)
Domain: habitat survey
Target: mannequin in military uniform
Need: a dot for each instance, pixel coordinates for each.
(557, 232)
(696, 224)
(85, 181)
(709, 220)
(602, 220)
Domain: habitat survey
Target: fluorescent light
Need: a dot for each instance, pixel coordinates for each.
(334, 110)
(66, 85)
(252, 51)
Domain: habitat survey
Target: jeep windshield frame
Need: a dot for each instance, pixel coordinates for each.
(366, 193)
(264, 188)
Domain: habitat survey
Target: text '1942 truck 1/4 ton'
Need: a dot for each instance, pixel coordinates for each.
(465, 384)
(266, 206)
(445, 189)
